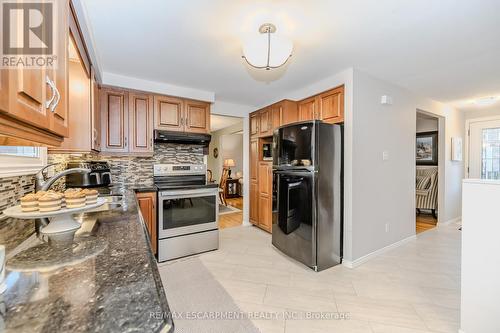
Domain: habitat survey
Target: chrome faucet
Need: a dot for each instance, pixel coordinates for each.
(43, 185)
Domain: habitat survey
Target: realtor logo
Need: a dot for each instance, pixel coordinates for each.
(27, 34)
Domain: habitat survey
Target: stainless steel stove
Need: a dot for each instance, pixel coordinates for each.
(187, 210)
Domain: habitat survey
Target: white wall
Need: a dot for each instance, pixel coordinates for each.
(383, 192)
(480, 270)
(426, 124)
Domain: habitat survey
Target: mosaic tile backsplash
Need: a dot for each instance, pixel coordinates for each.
(136, 170)
(125, 170)
(12, 189)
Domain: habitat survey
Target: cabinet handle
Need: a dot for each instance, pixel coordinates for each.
(54, 94)
(182, 121)
(58, 99)
(126, 141)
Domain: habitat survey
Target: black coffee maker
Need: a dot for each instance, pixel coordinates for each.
(100, 176)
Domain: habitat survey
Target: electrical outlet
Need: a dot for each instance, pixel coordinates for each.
(387, 227)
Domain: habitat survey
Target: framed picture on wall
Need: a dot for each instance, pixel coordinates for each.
(427, 148)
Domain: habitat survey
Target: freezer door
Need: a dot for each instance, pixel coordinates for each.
(294, 230)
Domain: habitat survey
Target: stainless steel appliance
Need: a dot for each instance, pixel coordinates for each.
(187, 210)
(99, 175)
(307, 193)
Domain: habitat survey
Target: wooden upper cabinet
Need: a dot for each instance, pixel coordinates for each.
(277, 116)
(289, 112)
(265, 122)
(307, 109)
(168, 113)
(197, 117)
(114, 120)
(140, 122)
(96, 115)
(331, 105)
(59, 119)
(254, 124)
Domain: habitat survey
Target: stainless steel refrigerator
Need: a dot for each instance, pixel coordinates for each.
(308, 193)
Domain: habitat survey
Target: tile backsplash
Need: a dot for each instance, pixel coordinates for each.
(12, 189)
(125, 170)
(137, 170)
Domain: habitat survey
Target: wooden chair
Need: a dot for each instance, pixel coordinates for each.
(222, 186)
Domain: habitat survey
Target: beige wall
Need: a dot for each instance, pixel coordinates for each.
(230, 145)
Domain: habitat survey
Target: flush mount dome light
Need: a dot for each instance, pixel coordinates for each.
(485, 101)
(267, 50)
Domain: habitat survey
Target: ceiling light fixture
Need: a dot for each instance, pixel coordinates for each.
(485, 101)
(267, 50)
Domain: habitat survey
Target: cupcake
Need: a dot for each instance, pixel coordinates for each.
(40, 194)
(75, 199)
(91, 196)
(49, 202)
(69, 190)
(29, 203)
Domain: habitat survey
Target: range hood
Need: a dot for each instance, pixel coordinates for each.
(182, 138)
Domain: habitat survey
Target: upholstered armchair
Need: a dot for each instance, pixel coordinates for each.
(427, 189)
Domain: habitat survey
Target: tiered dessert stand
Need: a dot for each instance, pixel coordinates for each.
(62, 221)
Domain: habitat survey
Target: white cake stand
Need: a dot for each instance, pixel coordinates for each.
(61, 221)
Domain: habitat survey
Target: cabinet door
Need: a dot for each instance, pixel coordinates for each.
(289, 112)
(265, 122)
(265, 213)
(254, 124)
(96, 115)
(197, 117)
(168, 113)
(114, 120)
(254, 159)
(140, 123)
(307, 109)
(254, 203)
(331, 105)
(265, 178)
(277, 114)
(4, 90)
(59, 119)
(147, 205)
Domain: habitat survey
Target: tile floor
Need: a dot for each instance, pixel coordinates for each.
(411, 289)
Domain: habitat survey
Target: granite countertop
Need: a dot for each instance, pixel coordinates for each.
(107, 280)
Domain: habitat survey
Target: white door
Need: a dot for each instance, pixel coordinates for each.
(484, 148)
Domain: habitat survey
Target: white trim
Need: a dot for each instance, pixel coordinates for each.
(461, 330)
(369, 256)
(451, 221)
(468, 122)
(12, 166)
(156, 87)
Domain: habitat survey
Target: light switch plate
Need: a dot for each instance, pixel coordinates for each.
(385, 155)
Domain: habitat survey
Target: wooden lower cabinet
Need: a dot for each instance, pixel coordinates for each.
(254, 203)
(265, 195)
(147, 206)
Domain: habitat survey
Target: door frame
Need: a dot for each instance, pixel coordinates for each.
(441, 162)
(468, 122)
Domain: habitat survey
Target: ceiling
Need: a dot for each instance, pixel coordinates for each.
(448, 50)
(219, 122)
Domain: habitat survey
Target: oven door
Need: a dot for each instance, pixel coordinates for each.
(182, 212)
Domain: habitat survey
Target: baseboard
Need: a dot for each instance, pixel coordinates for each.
(455, 220)
(365, 258)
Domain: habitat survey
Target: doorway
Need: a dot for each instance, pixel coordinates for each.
(483, 149)
(427, 171)
(225, 162)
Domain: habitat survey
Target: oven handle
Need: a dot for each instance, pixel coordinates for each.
(191, 193)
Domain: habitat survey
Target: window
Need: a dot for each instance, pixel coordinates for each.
(21, 160)
(490, 164)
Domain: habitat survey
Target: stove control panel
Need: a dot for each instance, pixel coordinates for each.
(179, 169)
